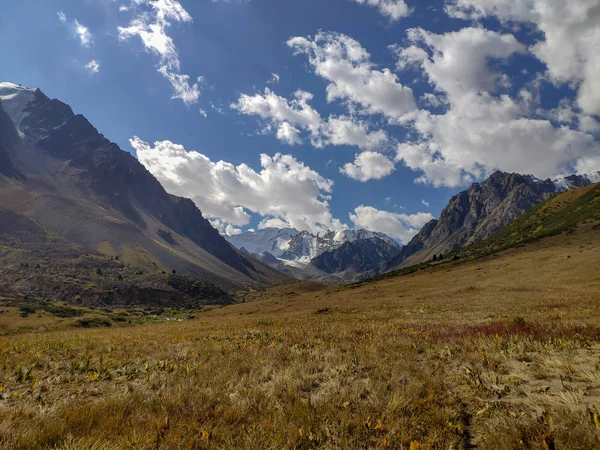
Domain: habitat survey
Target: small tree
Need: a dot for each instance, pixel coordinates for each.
(98, 271)
(435, 258)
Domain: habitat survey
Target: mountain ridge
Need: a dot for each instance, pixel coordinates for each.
(481, 210)
(333, 255)
(66, 176)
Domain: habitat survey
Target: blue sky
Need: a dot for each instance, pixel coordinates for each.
(368, 113)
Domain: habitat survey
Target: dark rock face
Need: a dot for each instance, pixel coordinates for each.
(9, 138)
(359, 256)
(85, 189)
(475, 214)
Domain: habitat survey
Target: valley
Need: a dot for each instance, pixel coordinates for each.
(127, 321)
(497, 352)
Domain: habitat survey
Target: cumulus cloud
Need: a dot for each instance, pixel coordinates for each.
(399, 226)
(459, 63)
(483, 128)
(353, 78)
(394, 9)
(569, 47)
(368, 166)
(92, 67)
(151, 23)
(80, 32)
(289, 117)
(284, 189)
(83, 34)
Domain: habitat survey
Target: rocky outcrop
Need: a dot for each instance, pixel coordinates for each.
(357, 257)
(477, 213)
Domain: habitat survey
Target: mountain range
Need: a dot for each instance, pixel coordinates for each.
(80, 218)
(332, 256)
(481, 210)
(78, 190)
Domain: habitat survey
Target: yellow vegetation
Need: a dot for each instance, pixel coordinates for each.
(499, 353)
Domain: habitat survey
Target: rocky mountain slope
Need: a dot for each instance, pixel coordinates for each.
(332, 256)
(83, 190)
(480, 211)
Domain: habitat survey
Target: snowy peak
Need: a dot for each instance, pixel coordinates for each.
(575, 181)
(332, 256)
(271, 240)
(301, 247)
(15, 99)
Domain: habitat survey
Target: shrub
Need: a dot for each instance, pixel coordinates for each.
(93, 322)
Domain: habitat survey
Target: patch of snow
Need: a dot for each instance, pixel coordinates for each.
(292, 263)
(562, 184)
(594, 177)
(14, 100)
(272, 240)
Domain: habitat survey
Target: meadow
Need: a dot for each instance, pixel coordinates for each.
(501, 352)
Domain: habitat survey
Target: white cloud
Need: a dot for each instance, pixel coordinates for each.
(232, 231)
(93, 66)
(289, 117)
(394, 9)
(284, 189)
(483, 128)
(352, 77)
(459, 63)
(80, 32)
(399, 226)
(273, 222)
(274, 79)
(368, 166)
(570, 44)
(184, 90)
(426, 203)
(151, 27)
(203, 113)
(83, 34)
(288, 133)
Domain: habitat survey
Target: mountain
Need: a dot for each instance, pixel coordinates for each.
(332, 256)
(480, 211)
(575, 210)
(271, 240)
(84, 191)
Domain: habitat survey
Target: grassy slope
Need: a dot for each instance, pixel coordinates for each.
(563, 213)
(499, 352)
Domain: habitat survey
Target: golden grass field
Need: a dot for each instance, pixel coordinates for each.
(496, 353)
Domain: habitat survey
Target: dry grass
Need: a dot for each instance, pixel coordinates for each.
(502, 353)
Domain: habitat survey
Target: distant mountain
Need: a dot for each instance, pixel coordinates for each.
(272, 240)
(59, 172)
(332, 256)
(478, 212)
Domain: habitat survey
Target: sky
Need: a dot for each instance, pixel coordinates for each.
(322, 114)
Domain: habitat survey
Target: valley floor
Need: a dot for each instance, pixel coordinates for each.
(497, 353)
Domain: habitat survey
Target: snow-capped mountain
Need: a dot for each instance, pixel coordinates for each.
(575, 181)
(305, 247)
(15, 99)
(289, 244)
(300, 250)
(271, 240)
